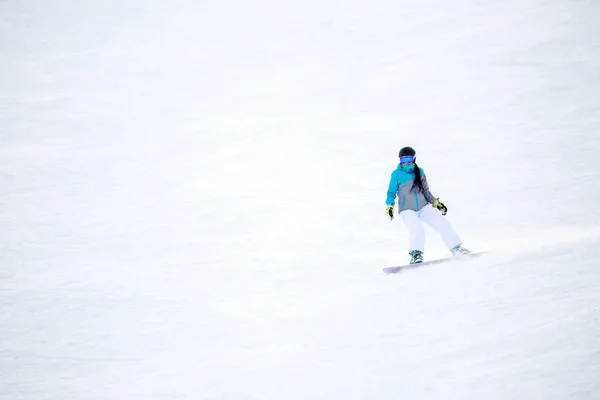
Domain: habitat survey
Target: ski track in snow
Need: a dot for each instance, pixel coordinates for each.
(192, 200)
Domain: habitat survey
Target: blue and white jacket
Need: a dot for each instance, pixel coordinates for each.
(409, 197)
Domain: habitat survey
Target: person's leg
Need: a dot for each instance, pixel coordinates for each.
(438, 222)
(416, 239)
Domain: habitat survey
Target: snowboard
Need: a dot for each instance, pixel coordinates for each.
(396, 269)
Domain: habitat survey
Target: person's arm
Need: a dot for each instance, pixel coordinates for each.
(392, 190)
(430, 197)
(391, 196)
(435, 201)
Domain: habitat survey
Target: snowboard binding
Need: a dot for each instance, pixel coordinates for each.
(416, 256)
(458, 250)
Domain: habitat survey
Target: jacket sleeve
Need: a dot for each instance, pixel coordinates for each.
(392, 190)
(430, 197)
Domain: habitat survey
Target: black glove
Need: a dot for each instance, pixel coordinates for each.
(389, 210)
(440, 206)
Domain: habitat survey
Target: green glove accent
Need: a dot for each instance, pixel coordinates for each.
(389, 210)
(440, 206)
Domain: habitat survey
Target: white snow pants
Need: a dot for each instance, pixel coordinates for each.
(412, 220)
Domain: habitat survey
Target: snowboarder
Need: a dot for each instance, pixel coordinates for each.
(416, 204)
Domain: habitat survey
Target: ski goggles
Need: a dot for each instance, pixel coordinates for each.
(407, 159)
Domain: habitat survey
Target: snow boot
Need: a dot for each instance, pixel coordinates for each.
(416, 256)
(458, 250)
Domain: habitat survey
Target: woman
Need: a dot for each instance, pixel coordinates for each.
(416, 204)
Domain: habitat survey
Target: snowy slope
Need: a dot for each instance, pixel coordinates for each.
(192, 199)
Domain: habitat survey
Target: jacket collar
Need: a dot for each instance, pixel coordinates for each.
(409, 169)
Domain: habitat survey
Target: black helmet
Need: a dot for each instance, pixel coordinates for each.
(407, 151)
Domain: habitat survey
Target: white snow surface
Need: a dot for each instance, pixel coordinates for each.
(192, 199)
